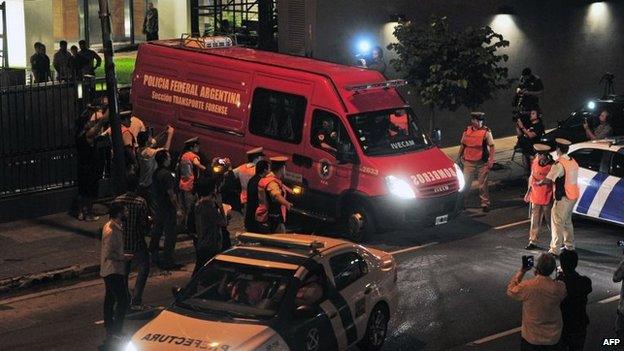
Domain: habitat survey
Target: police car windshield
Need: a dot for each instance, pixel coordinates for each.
(229, 290)
(388, 132)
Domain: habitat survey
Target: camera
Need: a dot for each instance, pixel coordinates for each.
(527, 261)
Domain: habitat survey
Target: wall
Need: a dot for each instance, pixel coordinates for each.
(570, 44)
(16, 33)
(39, 26)
(174, 18)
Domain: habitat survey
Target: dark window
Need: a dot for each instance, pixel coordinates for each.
(277, 115)
(328, 133)
(588, 158)
(617, 165)
(347, 268)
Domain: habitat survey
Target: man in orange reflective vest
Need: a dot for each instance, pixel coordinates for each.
(564, 174)
(189, 167)
(540, 196)
(476, 153)
(271, 212)
(247, 170)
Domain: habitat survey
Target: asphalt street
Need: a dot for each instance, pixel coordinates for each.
(452, 282)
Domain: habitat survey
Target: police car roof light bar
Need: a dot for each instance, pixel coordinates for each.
(378, 85)
(206, 42)
(268, 240)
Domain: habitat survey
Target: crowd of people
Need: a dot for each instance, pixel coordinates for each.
(165, 196)
(72, 64)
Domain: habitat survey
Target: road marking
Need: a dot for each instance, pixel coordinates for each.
(512, 224)
(495, 336)
(609, 299)
(413, 248)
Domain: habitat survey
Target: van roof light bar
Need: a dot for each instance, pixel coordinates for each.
(377, 85)
(206, 42)
(270, 241)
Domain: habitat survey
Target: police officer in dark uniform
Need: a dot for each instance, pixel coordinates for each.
(261, 170)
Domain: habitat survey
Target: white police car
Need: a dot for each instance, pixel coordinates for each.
(601, 179)
(280, 292)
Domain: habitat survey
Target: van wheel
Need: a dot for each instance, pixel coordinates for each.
(360, 223)
(376, 329)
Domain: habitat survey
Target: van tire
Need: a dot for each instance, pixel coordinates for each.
(359, 222)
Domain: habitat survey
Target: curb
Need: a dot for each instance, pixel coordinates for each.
(16, 284)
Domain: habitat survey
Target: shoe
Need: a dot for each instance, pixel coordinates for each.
(486, 209)
(138, 307)
(531, 246)
(92, 218)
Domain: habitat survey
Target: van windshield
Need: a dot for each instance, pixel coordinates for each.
(388, 132)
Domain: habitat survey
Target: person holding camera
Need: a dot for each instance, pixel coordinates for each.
(603, 130)
(210, 217)
(528, 135)
(476, 153)
(539, 196)
(564, 175)
(541, 298)
(528, 91)
(574, 306)
(618, 277)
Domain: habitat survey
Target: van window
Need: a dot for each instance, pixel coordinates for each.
(277, 115)
(328, 133)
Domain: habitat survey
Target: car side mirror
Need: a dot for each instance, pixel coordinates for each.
(436, 136)
(304, 312)
(176, 291)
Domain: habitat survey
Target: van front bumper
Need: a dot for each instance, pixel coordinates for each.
(391, 211)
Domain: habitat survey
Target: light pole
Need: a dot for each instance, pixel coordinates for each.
(113, 101)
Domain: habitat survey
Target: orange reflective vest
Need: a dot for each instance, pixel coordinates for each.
(268, 206)
(186, 169)
(570, 169)
(245, 172)
(540, 194)
(473, 141)
(124, 130)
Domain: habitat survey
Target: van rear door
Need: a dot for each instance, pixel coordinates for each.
(278, 111)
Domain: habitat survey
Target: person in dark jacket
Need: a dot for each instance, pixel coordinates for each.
(574, 306)
(209, 220)
(88, 56)
(262, 169)
(150, 23)
(40, 64)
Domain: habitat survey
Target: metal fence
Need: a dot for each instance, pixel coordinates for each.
(37, 128)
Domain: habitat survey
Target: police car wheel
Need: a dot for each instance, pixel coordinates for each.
(360, 224)
(376, 329)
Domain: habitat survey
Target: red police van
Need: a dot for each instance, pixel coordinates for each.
(353, 143)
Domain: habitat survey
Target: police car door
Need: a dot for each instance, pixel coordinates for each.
(592, 175)
(613, 208)
(311, 328)
(325, 176)
(352, 296)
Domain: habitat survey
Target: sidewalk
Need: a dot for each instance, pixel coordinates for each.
(59, 247)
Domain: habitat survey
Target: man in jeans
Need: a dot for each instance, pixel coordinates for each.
(166, 211)
(135, 227)
(113, 270)
(541, 298)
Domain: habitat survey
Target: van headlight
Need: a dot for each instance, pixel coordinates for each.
(130, 347)
(399, 187)
(460, 177)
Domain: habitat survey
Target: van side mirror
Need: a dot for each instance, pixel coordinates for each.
(436, 136)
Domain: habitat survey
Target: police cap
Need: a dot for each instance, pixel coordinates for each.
(542, 148)
(278, 161)
(563, 142)
(191, 141)
(255, 152)
(477, 115)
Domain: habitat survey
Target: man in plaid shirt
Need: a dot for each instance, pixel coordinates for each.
(135, 227)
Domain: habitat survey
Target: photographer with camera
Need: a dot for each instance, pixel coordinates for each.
(528, 136)
(602, 130)
(541, 298)
(528, 91)
(618, 276)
